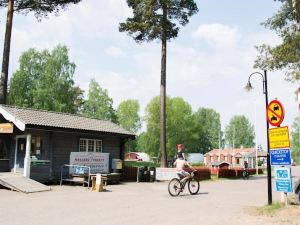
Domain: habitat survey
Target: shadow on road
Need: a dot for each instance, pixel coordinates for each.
(189, 195)
(258, 178)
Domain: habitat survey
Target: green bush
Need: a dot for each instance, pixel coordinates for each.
(140, 163)
(198, 164)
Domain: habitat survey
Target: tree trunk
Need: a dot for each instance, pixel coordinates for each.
(6, 52)
(163, 152)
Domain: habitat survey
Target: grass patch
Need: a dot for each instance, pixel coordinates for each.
(198, 164)
(270, 209)
(140, 163)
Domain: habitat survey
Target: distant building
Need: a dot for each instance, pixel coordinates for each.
(235, 157)
(137, 156)
(195, 158)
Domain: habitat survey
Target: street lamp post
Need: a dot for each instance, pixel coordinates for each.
(265, 91)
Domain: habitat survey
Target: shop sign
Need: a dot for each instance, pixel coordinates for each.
(98, 162)
(6, 128)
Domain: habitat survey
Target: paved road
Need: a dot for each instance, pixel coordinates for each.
(220, 202)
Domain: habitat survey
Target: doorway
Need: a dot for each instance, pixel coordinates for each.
(20, 153)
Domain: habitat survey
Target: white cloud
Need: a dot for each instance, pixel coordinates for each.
(208, 70)
(219, 35)
(115, 52)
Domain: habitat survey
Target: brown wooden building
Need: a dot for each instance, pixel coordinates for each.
(41, 141)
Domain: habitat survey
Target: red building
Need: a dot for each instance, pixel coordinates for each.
(235, 157)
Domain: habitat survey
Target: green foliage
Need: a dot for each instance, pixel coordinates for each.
(44, 80)
(128, 115)
(198, 164)
(99, 105)
(241, 131)
(182, 127)
(296, 140)
(207, 129)
(129, 119)
(39, 7)
(139, 164)
(285, 56)
(157, 19)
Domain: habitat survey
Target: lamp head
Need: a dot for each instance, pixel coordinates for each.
(248, 87)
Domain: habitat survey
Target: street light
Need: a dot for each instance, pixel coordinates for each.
(265, 91)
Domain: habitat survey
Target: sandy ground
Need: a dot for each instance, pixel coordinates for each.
(231, 202)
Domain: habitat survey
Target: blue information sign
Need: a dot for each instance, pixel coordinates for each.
(284, 186)
(280, 157)
(283, 179)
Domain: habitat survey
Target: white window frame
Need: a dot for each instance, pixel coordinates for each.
(86, 140)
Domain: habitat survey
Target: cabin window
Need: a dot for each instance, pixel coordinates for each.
(36, 145)
(90, 145)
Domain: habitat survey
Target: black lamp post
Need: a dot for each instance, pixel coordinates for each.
(265, 91)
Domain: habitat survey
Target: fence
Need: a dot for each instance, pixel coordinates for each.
(233, 173)
(130, 173)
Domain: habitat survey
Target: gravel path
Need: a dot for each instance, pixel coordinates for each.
(219, 202)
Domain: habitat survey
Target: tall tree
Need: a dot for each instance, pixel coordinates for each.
(285, 56)
(41, 8)
(239, 132)
(45, 81)
(159, 19)
(128, 115)
(99, 105)
(296, 139)
(207, 129)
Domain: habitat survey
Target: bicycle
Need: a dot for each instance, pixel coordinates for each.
(245, 174)
(175, 186)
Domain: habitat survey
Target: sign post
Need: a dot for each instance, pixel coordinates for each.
(279, 143)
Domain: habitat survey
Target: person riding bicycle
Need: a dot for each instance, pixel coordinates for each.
(245, 170)
(180, 153)
(245, 165)
(180, 164)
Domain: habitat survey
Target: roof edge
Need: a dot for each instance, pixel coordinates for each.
(20, 124)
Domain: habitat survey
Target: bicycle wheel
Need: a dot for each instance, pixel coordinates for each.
(193, 186)
(174, 187)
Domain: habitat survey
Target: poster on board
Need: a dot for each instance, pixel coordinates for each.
(97, 161)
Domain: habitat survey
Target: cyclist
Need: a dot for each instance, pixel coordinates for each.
(180, 164)
(245, 171)
(180, 153)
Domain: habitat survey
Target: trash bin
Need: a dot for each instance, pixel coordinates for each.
(146, 174)
(140, 174)
(152, 171)
(297, 192)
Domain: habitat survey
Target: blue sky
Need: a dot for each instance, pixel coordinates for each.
(208, 64)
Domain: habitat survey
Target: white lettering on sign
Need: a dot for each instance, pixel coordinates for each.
(98, 162)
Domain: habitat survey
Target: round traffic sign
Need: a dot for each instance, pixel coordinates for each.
(275, 113)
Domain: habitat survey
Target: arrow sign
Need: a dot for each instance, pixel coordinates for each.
(280, 157)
